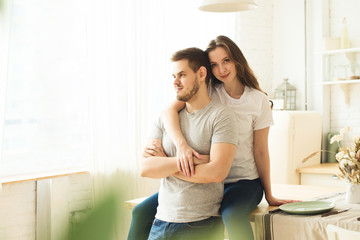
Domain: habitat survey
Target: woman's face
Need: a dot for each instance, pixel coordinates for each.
(222, 66)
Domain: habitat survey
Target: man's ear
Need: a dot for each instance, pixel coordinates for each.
(202, 73)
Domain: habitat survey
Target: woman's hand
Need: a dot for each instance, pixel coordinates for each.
(154, 149)
(273, 201)
(185, 161)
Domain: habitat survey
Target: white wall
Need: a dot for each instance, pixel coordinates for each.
(272, 39)
(18, 205)
(289, 46)
(255, 38)
(17, 211)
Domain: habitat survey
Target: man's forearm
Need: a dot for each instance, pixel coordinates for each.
(216, 170)
(201, 174)
(158, 167)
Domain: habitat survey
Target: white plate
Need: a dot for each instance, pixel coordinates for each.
(307, 207)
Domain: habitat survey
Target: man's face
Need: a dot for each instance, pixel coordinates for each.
(186, 82)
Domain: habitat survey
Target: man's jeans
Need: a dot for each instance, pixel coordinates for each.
(208, 229)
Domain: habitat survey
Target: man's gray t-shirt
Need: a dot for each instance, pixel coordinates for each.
(181, 201)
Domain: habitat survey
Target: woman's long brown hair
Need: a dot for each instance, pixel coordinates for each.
(244, 73)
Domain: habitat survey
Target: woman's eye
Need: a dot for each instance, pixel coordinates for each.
(227, 60)
(213, 65)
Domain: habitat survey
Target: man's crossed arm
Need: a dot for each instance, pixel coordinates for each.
(155, 164)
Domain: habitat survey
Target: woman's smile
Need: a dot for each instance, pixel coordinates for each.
(225, 76)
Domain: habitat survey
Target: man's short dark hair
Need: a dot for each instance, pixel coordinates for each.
(196, 58)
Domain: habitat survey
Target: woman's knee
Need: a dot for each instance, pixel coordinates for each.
(138, 210)
(146, 209)
(143, 212)
(239, 214)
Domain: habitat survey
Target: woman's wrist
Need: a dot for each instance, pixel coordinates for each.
(180, 144)
(268, 194)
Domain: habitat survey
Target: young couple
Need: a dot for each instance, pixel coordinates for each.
(210, 149)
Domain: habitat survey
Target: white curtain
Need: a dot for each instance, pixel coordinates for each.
(46, 121)
(5, 10)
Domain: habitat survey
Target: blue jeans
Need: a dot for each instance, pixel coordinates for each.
(240, 199)
(208, 229)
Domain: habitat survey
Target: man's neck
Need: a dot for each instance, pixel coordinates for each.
(198, 101)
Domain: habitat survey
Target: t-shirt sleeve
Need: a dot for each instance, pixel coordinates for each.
(225, 130)
(156, 131)
(264, 118)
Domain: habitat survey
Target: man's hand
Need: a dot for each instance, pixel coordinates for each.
(185, 161)
(154, 149)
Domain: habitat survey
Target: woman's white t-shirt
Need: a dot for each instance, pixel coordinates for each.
(253, 113)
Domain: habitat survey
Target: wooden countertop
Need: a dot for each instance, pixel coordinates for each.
(323, 168)
(283, 191)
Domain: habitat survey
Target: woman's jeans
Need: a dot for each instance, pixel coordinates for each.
(240, 199)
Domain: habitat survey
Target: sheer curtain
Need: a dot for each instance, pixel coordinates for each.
(46, 115)
(4, 42)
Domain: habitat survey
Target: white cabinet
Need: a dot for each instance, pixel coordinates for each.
(324, 174)
(294, 136)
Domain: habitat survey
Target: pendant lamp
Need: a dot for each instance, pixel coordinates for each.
(227, 5)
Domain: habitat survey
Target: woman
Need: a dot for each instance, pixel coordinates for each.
(235, 85)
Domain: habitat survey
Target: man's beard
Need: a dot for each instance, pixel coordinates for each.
(192, 92)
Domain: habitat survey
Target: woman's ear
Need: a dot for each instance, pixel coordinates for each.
(202, 73)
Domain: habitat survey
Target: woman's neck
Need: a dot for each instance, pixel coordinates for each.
(235, 88)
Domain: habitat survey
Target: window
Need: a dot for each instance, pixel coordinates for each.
(46, 116)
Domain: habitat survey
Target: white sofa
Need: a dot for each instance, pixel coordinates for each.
(294, 136)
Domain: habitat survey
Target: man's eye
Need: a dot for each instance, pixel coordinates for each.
(213, 65)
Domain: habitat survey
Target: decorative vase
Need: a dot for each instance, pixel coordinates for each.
(352, 193)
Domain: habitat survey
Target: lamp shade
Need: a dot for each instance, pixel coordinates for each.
(227, 5)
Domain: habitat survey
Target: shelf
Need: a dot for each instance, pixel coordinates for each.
(340, 51)
(348, 81)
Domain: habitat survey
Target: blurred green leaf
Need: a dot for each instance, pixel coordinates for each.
(99, 224)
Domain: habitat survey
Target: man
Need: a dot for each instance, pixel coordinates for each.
(189, 207)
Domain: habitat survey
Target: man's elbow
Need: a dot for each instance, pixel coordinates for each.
(218, 178)
(220, 173)
(144, 169)
(143, 172)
